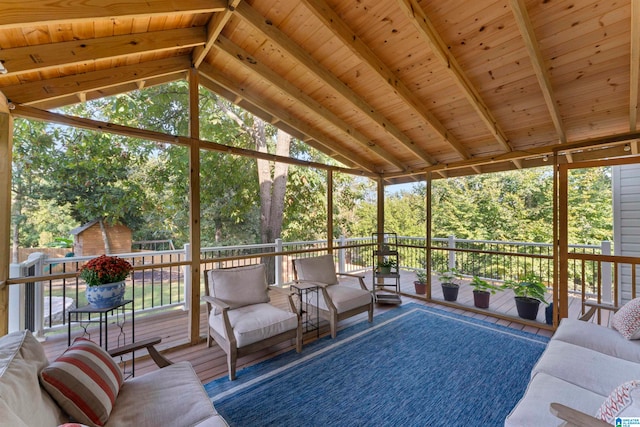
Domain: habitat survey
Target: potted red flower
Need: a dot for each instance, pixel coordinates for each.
(105, 277)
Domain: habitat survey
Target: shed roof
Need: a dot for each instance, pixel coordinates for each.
(391, 87)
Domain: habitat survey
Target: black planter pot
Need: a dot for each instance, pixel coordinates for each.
(450, 291)
(527, 307)
(481, 299)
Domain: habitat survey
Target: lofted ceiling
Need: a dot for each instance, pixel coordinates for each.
(395, 88)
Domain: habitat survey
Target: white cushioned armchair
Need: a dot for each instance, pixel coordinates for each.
(241, 319)
(337, 302)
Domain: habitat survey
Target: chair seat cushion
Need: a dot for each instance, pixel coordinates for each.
(255, 323)
(345, 298)
(171, 396)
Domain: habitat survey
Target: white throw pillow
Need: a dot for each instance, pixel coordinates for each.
(624, 401)
(627, 320)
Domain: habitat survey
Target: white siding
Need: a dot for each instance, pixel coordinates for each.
(626, 222)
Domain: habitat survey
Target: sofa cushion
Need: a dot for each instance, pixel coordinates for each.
(599, 338)
(239, 286)
(171, 396)
(85, 381)
(533, 409)
(255, 323)
(624, 401)
(627, 320)
(585, 368)
(21, 359)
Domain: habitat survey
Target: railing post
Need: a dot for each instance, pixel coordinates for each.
(187, 278)
(605, 249)
(341, 256)
(38, 263)
(279, 273)
(452, 254)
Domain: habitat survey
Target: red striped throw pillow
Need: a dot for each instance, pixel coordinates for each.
(85, 382)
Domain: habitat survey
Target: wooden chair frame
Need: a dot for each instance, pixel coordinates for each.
(230, 345)
(331, 314)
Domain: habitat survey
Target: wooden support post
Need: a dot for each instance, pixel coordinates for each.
(428, 237)
(330, 211)
(563, 241)
(6, 142)
(194, 206)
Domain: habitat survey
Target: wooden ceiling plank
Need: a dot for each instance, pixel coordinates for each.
(426, 29)
(635, 65)
(341, 30)
(210, 73)
(252, 17)
(214, 28)
(59, 87)
(38, 12)
(537, 61)
(44, 56)
(237, 54)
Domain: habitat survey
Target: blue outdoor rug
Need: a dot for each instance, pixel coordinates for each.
(413, 366)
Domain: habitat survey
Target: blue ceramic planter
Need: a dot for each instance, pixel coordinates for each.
(105, 296)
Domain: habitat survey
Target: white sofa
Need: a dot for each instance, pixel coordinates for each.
(171, 396)
(583, 363)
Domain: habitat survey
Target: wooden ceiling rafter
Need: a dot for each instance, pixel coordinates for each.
(430, 35)
(46, 56)
(634, 66)
(214, 28)
(330, 148)
(341, 30)
(537, 61)
(239, 55)
(38, 12)
(41, 90)
(249, 15)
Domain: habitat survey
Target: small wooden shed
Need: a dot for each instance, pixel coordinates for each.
(88, 240)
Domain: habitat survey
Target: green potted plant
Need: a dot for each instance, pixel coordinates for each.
(482, 291)
(385, 265)
(421, 282)
(529, 293)
(449, 280)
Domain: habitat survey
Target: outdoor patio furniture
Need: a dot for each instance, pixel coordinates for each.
(28, 398)
(337, 302)
(241, 320)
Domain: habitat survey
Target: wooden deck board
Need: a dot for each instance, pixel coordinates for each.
(210, 363)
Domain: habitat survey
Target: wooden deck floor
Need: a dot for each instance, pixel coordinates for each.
(210, 363)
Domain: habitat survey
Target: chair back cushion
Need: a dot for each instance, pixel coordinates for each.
(239, 286)
(316, 269)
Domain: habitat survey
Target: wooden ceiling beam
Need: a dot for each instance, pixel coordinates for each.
(38, 12)
(214, 28)
(537, 61)
(51, 104)
(252, 17)
(635, 65)
(237, 54)
(41, 90)
(212, 75)
(45, 56)
(428, 32)
(341, 30)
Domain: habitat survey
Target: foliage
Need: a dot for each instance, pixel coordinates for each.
(387, 262)
(481, 285)
(105, 269)
(528, 286)
(451, 277)
(421, 276)
(60, 242)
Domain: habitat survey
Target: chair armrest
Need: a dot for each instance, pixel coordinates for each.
(318, 284)
(216, 303)
(575, 418)
(360, 279)
(149, 344)
(593, 307)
